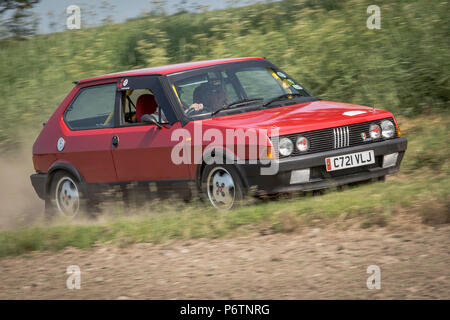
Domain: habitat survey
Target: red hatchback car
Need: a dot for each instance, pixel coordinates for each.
(222, 126)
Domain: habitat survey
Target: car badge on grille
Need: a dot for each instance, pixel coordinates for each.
(364, 137)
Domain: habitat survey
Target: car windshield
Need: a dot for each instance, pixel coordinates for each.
(225, 88)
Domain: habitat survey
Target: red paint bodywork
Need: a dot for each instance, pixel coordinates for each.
(144, 151)
(144, 154)
(299, 117)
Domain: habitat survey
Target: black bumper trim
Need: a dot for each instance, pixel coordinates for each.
(39, 182)
(315, 159)
(280, 182)
(334, 182)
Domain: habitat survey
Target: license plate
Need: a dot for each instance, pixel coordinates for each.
(350, 160)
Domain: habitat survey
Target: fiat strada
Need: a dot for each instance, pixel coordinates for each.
(219, 128)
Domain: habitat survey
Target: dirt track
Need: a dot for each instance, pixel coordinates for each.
(315, 263)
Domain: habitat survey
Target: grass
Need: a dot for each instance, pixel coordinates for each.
(422, 187)
(372, 204)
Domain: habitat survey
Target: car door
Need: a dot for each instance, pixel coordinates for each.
(87, 128)
(142, 152)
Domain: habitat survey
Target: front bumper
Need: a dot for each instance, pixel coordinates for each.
(319, 177)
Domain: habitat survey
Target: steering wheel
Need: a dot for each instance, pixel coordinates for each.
(192, 111)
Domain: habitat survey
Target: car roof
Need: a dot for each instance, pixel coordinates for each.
(168, 69)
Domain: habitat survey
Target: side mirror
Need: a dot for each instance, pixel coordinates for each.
(150, 119)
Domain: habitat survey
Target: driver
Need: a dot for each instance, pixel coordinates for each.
(207, 96)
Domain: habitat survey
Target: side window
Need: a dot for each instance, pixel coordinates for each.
(134, 108)
(92, 108)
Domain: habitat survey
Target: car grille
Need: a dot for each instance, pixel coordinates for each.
(341, 137)
(335, 138)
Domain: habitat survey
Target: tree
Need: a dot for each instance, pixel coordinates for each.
(17, 19)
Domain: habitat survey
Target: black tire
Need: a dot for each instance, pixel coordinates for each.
(59, 201)
(222, 173)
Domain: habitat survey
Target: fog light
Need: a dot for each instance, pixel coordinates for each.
(374, 131)
(390, 160)
(300, 176)
(302, 144)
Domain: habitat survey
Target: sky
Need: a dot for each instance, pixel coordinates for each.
(52, 13)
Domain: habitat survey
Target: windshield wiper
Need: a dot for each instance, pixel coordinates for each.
(236, 104)
(282, 97)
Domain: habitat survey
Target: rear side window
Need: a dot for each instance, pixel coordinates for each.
(92, 108)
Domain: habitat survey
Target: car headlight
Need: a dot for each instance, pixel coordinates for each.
(387, 129)
(285, 147)
(374, 131)
(302, 144)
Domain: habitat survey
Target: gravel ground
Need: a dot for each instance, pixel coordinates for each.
(314, 263)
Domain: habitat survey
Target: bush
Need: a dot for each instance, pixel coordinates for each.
(324, 44)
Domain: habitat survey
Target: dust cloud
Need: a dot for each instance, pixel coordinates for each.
(19, 204)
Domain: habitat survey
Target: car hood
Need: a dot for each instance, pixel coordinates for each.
(301, 117)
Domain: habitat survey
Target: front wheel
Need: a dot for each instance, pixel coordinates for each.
(223, 186)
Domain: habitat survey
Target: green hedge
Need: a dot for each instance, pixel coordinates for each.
(403, 67)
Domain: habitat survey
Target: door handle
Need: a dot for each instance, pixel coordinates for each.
(115, 141)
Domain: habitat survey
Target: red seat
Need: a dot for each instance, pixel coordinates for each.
(145, 104)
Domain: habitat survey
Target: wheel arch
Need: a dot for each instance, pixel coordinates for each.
(62, 166)
(228, 157)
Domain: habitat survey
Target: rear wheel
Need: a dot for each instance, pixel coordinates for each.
(223, 186)
(65, 197)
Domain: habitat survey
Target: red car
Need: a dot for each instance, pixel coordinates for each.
(222, 126)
